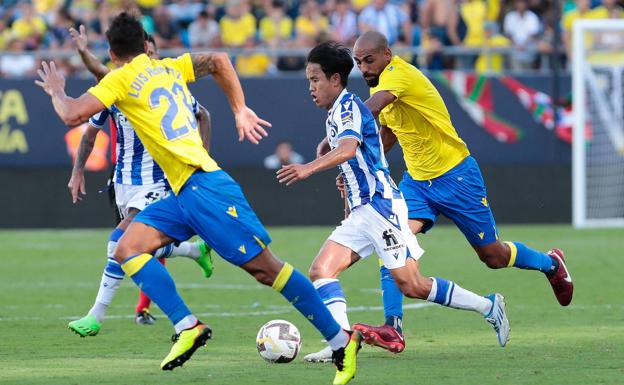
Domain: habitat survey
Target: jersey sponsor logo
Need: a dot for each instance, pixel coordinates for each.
(232, 211)
(389, 237)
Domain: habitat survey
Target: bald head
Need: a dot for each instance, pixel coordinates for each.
(371, 40)
(372, 55)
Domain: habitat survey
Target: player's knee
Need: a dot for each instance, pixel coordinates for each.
(122, 252)
(265, 277)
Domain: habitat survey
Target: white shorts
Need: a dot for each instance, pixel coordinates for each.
(366, 230)
(138, 197)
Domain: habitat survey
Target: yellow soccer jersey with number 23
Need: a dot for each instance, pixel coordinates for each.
(419, 119)
(154, 97)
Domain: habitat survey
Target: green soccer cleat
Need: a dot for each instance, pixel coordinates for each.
(344, 359)
(184, 345)
(205, 259)
(85, 326)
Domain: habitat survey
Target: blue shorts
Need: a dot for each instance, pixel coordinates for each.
(460, 195)
(211, 205)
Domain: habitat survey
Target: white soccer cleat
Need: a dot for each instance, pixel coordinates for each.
(498, 318)
(324, 355)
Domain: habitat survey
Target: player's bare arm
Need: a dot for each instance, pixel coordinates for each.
(379, 101)
(205, 126)
(388, 138)
(72, 111)
(218, 64)
(295, 172)
(76, 183)
(90, 61)
(322, 148)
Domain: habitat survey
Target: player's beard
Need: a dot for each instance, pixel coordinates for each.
(372, 82)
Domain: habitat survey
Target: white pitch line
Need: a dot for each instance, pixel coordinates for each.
(278, 311)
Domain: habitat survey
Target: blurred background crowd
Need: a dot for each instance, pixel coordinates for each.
(267, 37)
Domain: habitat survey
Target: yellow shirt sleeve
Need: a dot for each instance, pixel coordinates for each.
(394, 81)
(184, 64)
(111, 88)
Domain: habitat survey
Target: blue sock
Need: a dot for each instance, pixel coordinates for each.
(155, 281)
(526, 258)
(392, 300)
(300, 292)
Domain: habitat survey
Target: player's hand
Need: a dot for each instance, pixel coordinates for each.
(76, 185)
(322, 148)
(293, 173)
(51, 78)
(250, 126)
(340, 185)
(79, 38)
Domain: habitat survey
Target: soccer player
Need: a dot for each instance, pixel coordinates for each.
(205, 200)
(441, 178)
(138, 181)
(378, 213)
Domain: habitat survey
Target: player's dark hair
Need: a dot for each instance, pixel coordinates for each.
(150, 38)
(334, 58)
(126, 36)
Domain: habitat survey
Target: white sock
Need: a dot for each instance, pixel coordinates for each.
(108, 287)
(185, 249)
(340, 340)
(185, 323)
(331, 293)
(448, 293)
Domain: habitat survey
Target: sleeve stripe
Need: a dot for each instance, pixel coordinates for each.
(349, 132)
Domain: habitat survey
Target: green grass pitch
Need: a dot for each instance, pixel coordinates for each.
(50, 277)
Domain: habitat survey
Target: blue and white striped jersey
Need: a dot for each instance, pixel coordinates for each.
(366, 175)
(135, 166)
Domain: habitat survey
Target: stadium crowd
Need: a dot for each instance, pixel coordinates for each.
(526, 28)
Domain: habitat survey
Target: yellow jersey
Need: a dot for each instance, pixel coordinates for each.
(154, 97)
(419, 119)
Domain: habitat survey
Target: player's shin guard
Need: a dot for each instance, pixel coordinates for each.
(392, 299)
(155, 281)
(300, 292)
(524, 257)
(332, 296)
(144, 301)
(450, 294)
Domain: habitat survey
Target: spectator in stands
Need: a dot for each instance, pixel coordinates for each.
(467, 26)
(276, 29)
(310, 24)
(522, 26)
(237, 26)
(435, 17)
(58, 36)
(609, 9)
(388, 19)
(184, 12)
(343, 23)
(284, 155)
(204, 32)
(29, 28)
(18, 63)
(582, 11)
(490, 62)
(167, 31)
(253, 64)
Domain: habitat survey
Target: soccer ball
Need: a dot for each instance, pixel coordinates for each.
(278, 341)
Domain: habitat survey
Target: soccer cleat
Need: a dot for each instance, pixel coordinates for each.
(498, 318)
(384, 336)
(324, 355)
(85, 326)
(205, 259)
(345, 359)
(184, 345)
(560, 280)
(144, 317)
